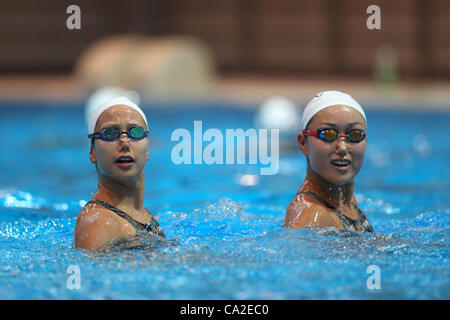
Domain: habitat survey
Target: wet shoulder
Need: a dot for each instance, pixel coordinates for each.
(96, 226)
(303, 212)
(93, 214)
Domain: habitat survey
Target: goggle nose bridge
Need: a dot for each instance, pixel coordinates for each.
(127, 136)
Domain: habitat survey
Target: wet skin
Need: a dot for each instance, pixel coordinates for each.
(120, 184)
(333, 183)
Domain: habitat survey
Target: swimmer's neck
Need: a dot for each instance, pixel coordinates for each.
(116, 193)
(337, 195)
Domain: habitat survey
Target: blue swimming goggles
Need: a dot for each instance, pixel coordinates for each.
(112, 134)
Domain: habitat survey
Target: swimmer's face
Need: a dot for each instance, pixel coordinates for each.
(320, 153)
(106, 153)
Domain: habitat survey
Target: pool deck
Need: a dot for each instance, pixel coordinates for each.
(245, 91)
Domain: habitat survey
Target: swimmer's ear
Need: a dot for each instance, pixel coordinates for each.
(92, 157)
(147, 156)
(301, 140)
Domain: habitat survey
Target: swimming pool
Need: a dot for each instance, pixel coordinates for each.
(227, 218)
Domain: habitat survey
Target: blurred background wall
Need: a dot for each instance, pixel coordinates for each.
(264, 37)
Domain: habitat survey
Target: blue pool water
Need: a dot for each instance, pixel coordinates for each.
(230, 244)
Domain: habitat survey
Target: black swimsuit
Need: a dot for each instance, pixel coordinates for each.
(152, 227)
(349, 224)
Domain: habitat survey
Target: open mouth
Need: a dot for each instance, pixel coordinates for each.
(341, 164)
(125, 161)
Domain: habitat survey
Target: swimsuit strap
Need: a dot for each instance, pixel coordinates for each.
(153, 226)
(363, 220)
(349, 224)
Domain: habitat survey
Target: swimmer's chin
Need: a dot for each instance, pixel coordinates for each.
(340, 183)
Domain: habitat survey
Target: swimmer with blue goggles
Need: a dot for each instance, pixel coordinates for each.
(115, 213)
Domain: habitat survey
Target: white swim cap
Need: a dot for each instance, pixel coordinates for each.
(327, 99)
(95, 114)
(103, 94)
